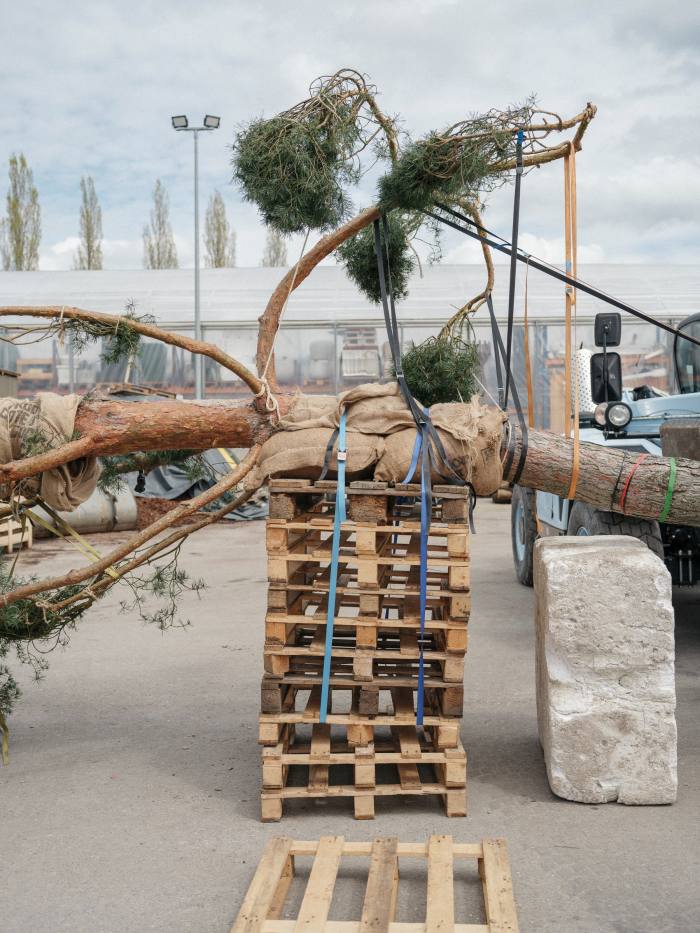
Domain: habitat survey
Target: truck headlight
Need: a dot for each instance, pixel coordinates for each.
(618, 415)
(599, 414)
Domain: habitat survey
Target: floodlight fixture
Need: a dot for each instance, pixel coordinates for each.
(212, 123)
(180, 122)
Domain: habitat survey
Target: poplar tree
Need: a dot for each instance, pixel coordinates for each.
(219, 238)
(20, 230)
(275, 253)
(159, 250)
(89, 254)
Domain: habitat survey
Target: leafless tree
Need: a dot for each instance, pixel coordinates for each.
(219, 238)
(89, 254)
(159, 250)
(20, 230)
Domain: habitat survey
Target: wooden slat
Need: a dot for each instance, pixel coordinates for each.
(316, 904)
(440, 908)
(260, 896)
(498, 887)
(382, 887)
(353, 926)
(460, 850)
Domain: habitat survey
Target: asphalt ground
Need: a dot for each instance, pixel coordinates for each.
(131, 800)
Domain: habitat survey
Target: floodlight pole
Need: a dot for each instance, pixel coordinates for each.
(198, 360)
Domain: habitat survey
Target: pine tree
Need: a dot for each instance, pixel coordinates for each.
(219, 239)
(158, 242)
(275, 249)
(89, 254)
(20, 230)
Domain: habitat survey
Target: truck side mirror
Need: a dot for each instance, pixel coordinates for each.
(606, 377)
(607, 330)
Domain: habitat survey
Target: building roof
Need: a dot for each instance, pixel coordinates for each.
(238, 296)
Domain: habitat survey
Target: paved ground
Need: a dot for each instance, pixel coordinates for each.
(130, 804)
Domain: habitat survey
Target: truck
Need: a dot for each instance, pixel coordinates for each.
(642, 419)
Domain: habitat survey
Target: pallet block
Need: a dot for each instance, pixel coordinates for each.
(417, 768)
(303, 707)
(264, 905)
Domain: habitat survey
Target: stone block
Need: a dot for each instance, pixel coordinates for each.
(605, 670)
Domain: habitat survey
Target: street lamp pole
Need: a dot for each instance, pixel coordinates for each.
(181, 124)
(198, 361)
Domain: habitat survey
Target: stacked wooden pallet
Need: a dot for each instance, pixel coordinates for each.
(370, 731)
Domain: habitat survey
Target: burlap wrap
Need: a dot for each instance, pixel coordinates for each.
(380, 437)
(29, 426)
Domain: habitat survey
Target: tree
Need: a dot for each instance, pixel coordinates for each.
(275, 249)
(159, 250)
(20, 235)
(296, 168)
(219, 239)
(89, 254)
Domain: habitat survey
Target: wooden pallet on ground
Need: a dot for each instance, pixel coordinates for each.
(15, 533)
(401, 764)
(302, 707)
(265, 903)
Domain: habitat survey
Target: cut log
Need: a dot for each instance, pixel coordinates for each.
(603, 475)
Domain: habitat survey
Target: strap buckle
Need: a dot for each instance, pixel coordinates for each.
(342, 455)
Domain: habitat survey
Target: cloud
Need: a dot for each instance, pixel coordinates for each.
(92, 91)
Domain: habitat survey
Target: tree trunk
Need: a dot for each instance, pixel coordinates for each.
(109, 427)
(603, 475)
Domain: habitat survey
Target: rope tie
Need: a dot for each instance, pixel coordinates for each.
(271, 403)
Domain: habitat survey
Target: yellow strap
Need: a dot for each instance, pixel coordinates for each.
(5, 740)
(80, 542)
(227, 457)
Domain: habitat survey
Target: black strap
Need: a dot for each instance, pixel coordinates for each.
(484, 235)
(435, 448)
(498, 349)
(329, 453)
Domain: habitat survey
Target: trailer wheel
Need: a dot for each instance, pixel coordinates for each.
(585, 520)
(523, 532)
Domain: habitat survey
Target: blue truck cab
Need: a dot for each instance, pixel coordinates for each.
(642, 420)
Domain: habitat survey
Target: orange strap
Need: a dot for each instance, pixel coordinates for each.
(528, 363)
(571, 265)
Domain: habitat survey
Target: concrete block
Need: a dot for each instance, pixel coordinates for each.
(605, 670)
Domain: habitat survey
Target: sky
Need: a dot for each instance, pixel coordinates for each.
(88, 88)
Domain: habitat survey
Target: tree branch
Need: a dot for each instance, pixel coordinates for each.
(135, 541)
(199, 347)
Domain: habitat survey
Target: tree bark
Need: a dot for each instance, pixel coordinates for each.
(116, 427)
(603, 474)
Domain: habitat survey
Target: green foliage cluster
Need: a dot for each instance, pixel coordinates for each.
(295, 168)
(360, 260)
(113, 468)
(441, 369)
(459, 163)
(119, 343)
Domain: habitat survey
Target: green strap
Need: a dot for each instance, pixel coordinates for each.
(669, 491)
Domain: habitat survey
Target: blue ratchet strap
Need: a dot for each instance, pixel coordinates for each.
(335, 552)
(426, 508)
(416, 451)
